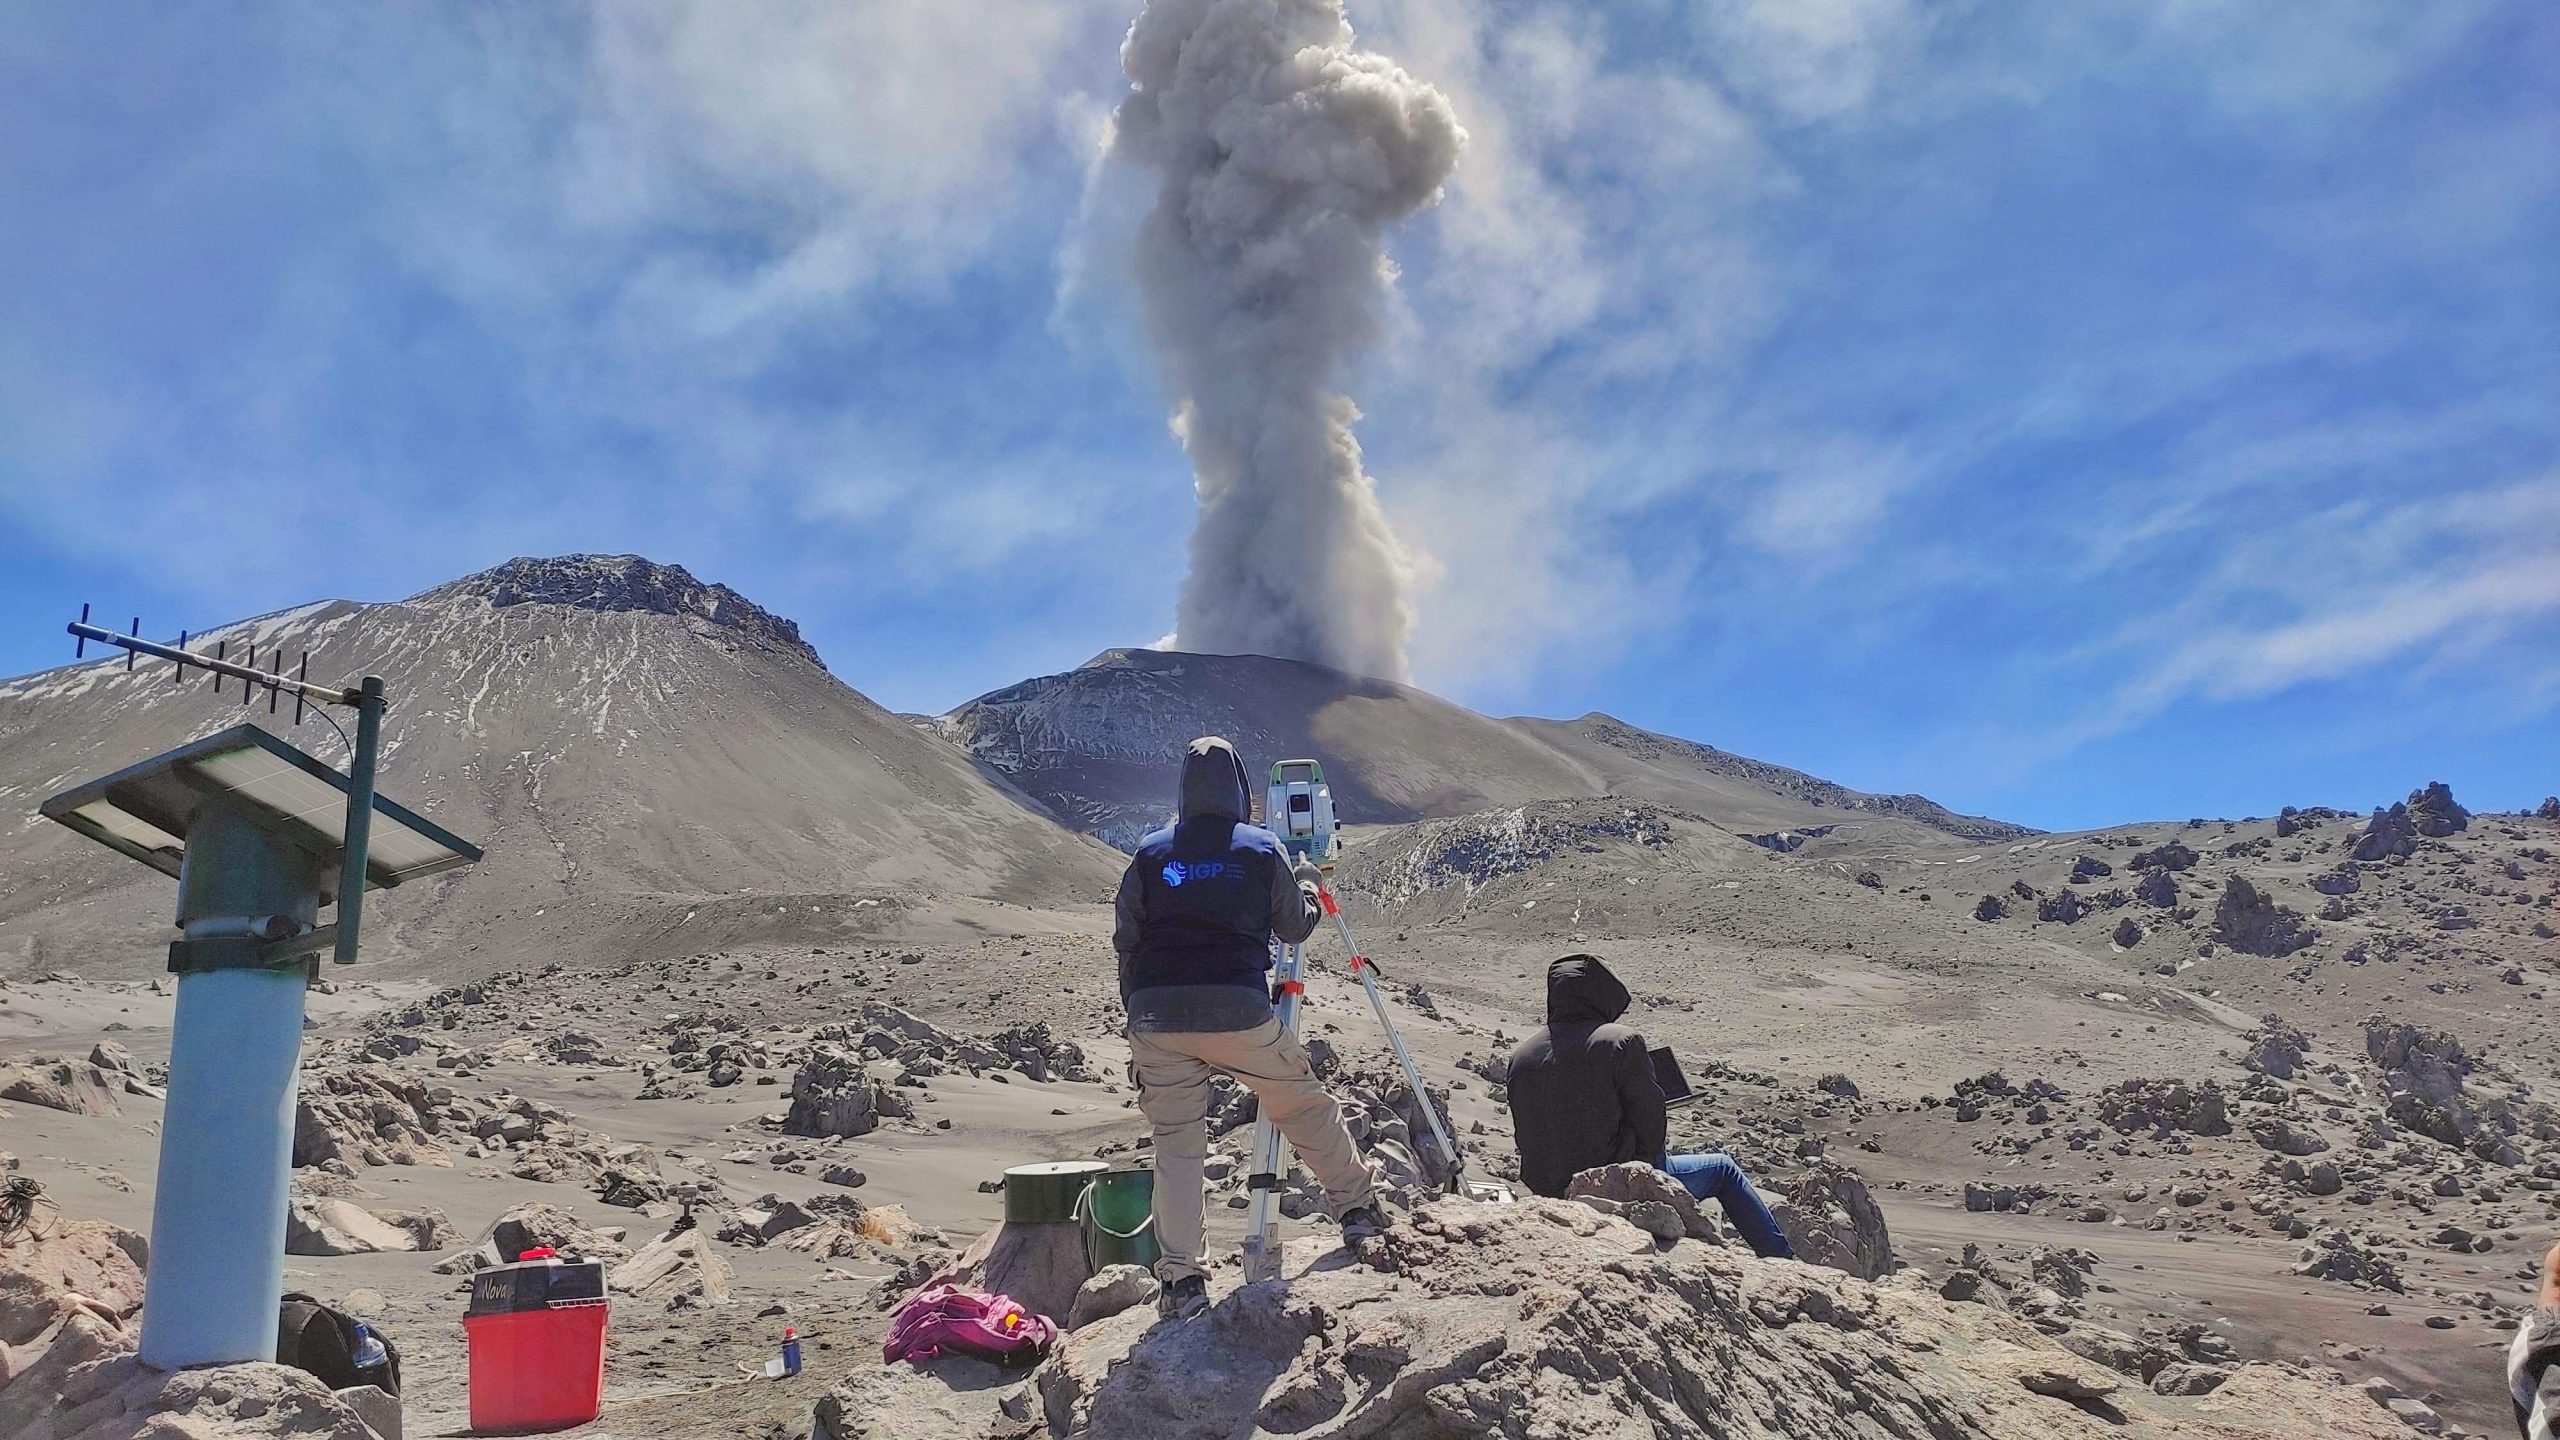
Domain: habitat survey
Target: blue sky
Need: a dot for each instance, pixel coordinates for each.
(2076, 413)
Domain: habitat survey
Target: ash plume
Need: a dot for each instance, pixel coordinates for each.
(1285, 153)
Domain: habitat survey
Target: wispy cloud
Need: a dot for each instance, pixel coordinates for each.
(2077, 374)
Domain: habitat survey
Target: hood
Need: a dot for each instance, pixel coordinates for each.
(1213, 781)
(1581, 991)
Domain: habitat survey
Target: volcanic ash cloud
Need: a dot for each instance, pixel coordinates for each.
(1285, 154)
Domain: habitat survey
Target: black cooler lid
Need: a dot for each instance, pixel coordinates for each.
(535, 1285)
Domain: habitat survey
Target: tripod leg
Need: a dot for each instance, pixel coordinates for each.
(1368, 974)
(1270, 1148)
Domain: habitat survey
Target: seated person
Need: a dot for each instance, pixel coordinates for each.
(1583, 1095)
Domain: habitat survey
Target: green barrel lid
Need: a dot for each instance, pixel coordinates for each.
(1046, 1193)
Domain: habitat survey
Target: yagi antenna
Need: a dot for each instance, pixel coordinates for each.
(364, 752)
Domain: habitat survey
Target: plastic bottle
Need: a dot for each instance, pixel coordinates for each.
(369, 1352)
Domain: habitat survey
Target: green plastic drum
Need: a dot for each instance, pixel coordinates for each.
(1046, 1193)
(1119, 1219)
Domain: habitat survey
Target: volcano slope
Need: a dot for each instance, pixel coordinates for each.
(619, 1052)
(1095, 744)
(2287, 1113)
(653, 764)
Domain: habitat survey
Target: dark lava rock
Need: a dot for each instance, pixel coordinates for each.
(2435, 812)
(2253, 924)
(2390, 834)
(2171, 856)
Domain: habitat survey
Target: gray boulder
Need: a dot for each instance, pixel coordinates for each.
(1832, 1221)
(1548, 1319)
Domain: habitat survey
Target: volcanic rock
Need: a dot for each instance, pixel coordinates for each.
(834, 1095)
(681, 1265)
(2435, 813)
(2158, 1105)
(1545, 1318)
(72, 1285)
(2064, 905)
(2275, 1049)
(2170, 855)
(60, 1083)
(2248, 921)
(121, 1396)
(529, 1226)
(1622, 1187)
(341, 1227)
(2389, 835)
(2334, 1254)
(1830, 1219)
(1112, 1289)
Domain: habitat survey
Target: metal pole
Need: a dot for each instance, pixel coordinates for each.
(226, 1139)
(332, 694)
(351, 871)
(1367, 970)
(1270, 1147)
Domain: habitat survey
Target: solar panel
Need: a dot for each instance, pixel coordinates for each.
(144, 811)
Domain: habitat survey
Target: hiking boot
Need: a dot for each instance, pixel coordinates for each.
(1183, 1298)
(1362, 1221)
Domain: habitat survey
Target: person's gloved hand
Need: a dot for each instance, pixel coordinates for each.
(1307, 873)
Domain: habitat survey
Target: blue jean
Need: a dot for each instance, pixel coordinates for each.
(1714, 1176)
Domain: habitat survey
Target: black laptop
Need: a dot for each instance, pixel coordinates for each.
(1666, 1073)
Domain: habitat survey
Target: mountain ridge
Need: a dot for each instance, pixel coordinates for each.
(1095, 744)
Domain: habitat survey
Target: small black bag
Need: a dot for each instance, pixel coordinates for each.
(312, 1336)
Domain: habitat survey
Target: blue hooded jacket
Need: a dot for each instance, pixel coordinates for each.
(1203, 897)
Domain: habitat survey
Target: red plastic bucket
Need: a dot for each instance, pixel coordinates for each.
(537, 1369)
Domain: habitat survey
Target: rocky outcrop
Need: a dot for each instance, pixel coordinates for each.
(2157, 889)
(2170, 855)
(72, 1285)
(2435, 813)
(681, 1268)
(1546, 1318)
(2389, 835)
(2338, 1256)
(1112, 1289)
(834, 1094)
(2275, 1049)
(120, 1396)
(59, 1083)
(1646, 1198)
(2251, 922)
(2424, 1090)
(2163, 1105)
(341, 1227)
(625, 582)
(532, 1225)
(1991, 907)
(1830, 1219)
(366, 1115)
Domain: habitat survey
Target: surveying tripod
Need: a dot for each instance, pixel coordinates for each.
(1299, 809)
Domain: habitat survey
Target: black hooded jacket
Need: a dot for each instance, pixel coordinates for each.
(1203, 897)
(1582, 1089)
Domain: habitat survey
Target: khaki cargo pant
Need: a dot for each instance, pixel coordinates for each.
(1174, 1069)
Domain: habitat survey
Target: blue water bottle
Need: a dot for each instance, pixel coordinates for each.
(369, 1353)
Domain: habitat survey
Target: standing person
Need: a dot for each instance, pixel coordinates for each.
(1583, 1095)
(2533, 1365)
(1197, 912)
